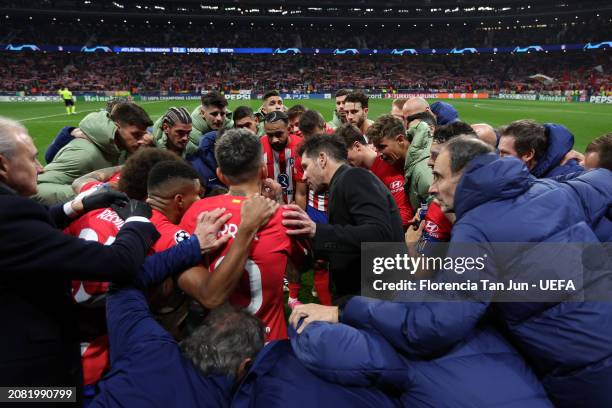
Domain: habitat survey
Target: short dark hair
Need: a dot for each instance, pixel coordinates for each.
(603, 147)
(215, 99)
(385, 126)
(275, 116)
(131, 114)
(360, 97)
(177, 115)
(295, 111)
(350, 134)
(527, 135)
(333, 145)
(226, 338)
(463, 149)
(110, 105)
(342, 92)
(168, 171)
(239, 155)
(242, 112)
(310, 121)
(135, 172)
(444, 133)
(270, 94)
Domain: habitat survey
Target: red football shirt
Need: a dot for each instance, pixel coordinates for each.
(285, 166)
(437, 227)
(93, 184)
(260, 289)
(170, 234)
(393, 178)
(102, 226)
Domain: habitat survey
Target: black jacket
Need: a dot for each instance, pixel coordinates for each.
(361, 209)
(39, 344)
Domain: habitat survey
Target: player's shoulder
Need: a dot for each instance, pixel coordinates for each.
(295, 140)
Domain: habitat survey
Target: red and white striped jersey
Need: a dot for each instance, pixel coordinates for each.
(318, 201)
(284, 166)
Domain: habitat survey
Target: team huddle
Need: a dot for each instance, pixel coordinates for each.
(245, 202)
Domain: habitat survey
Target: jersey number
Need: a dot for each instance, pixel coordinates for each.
(252, 269)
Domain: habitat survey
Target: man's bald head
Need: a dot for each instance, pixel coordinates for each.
(486, 133)
(415, 105)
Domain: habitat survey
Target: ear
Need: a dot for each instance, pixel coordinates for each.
(4, 168)
(243, 368)
(165, 128)
(178, 201)
(356, 145)
(365, 110)
(528, 157)
(222, 177)
(322, 159)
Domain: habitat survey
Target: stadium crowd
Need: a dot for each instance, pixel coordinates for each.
(37, 73)
(459, 34)
(178, 238)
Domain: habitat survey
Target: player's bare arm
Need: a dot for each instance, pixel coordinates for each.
(213, 289)
(102, 175)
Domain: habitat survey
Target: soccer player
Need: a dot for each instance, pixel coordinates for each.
(171, 131)
(281, 157)
(244, 118)
(211, 115)
(312, 123)
(102, 226)
(294, 114)
(66, 96)
(101, 140)
(361, 154)
(339, 114)
(259, 287)
(356, 108)
(272, 101)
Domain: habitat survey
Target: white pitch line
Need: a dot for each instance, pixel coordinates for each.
(53, 116)
(88, 110)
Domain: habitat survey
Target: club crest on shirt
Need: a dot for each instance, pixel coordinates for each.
(283, 180)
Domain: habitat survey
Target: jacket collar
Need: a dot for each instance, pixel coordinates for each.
(341, 170)
(6, 190)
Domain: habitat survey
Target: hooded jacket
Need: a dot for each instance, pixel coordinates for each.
(335, 123)
(278, 379)
(567, 344)
(445, 113)
(201, 127)
(560, 142)
(481, 371)
(80, 156)
(205, 163)
(418, 176)
(161, 139)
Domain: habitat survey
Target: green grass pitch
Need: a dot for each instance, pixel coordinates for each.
(585, 121)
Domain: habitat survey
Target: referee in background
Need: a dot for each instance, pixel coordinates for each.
(66, 96)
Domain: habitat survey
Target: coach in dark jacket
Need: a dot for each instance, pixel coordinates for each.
(39, 345)
(361, 209)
